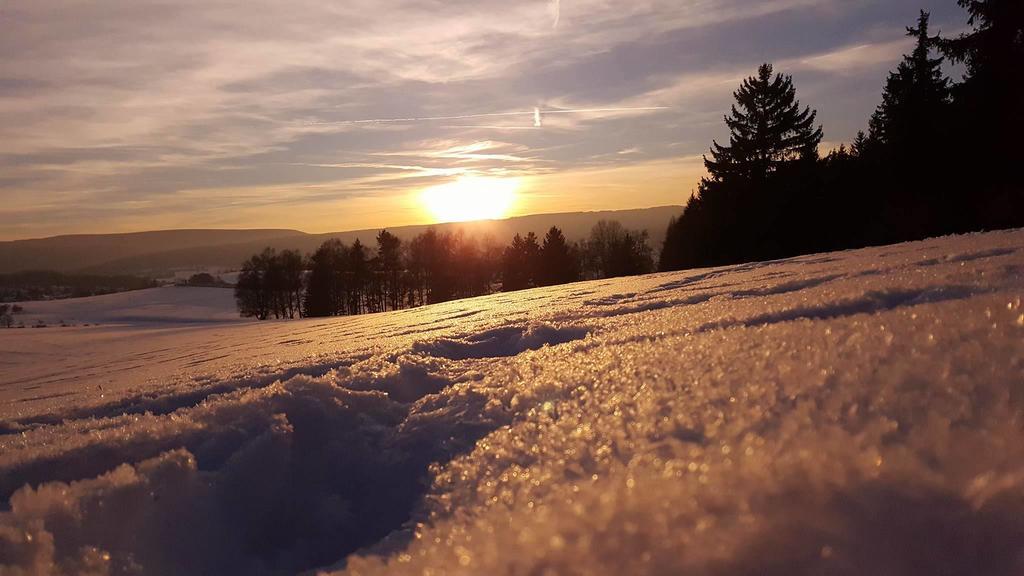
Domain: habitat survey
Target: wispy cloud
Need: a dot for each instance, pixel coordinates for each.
(119, 115)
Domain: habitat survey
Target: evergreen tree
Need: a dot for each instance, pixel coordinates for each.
(860, 145)
(766, 129)
(993, 51)
(915, 98)
(520, 263)
(531, 259)
(359, 273)
(989, 112)
(557, 261)
(325, 291)
(389, 263)
(909, 138)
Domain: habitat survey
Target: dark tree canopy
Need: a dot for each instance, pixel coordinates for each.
(994, 49)
(521, 263)
(613, 251)
(435, 266)
(270, 283)
(559, 264)
(767, 127)
(939, 157)
(916, 95)
(326, 284)
(989, 115)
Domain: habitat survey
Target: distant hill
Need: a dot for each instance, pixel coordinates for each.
(158, 254)
(81, 252)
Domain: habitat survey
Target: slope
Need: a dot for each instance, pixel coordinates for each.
(847, 413)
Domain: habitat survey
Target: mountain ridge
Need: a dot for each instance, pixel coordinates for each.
(159, 252)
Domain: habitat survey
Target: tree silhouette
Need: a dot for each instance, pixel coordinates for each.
(436, 267)
(253, 292)
(521, 263)
(915, 95)
(359, 277)
(613, 251)
(324, 290)
(389, 262)
(763, 196)
(766, 128)
(988, 117)
(558, 262)
(291, 267)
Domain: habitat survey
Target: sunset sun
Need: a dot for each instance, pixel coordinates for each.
(470, 198)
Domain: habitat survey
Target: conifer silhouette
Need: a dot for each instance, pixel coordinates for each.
(916, 94)
(766, 128)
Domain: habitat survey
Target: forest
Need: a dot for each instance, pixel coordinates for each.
(938, 157)
(46, 285)
(339, 279)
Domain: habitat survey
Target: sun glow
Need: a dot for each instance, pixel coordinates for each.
(470, 198)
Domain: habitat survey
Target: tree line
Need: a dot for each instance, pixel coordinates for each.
(938, 156)
(44, 285)
(346, 279)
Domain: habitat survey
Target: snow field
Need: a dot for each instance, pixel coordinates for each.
(848, 413)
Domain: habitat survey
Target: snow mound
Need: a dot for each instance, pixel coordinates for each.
(499, 342)
(851, 413)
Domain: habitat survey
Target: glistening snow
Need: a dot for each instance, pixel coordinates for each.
(851, 413)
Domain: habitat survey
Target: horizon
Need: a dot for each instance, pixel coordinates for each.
(156, 117)
(349, 230)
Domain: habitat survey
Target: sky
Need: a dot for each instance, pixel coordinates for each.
(123, 116)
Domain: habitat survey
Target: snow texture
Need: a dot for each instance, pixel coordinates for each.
(850, 413)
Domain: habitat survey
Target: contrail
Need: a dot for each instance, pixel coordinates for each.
(557, 8)
(536, 113)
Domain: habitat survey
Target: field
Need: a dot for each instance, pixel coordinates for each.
(859, 412)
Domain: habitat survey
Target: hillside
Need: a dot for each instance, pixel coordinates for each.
(848, 413)
(155, 254)
(163, 306)
(84, 252)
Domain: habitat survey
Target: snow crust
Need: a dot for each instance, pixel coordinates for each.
(858, 412)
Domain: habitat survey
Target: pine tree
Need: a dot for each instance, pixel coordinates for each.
(359, 267)
(766, 129)
(860, 145)
(327, 284)
(521, 263)
(558, 264)
(989, 104)
(914, 100)
(389, 262)
(994, 50)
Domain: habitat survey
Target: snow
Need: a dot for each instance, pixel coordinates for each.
(167, 305)
(848, 413)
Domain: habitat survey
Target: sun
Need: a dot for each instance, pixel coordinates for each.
(470, 198)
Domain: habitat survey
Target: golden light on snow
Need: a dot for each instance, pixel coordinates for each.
(470, 198)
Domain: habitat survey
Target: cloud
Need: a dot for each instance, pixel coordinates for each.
(124, 111)
(852, 59)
